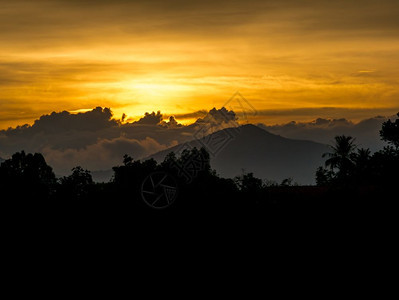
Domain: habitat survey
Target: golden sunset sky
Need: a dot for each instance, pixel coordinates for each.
(292, 60)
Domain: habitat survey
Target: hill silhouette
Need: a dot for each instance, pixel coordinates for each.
(256, 150)
(354, 185)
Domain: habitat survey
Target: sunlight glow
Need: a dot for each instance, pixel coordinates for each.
(136, 57)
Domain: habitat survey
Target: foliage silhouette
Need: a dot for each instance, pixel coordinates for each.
(249, 183)
(341, 158)
(348, 167)
(76, 186)
(324, 176)
(390, 132)
(27, 175)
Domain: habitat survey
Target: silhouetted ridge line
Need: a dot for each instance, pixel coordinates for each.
(256, 150)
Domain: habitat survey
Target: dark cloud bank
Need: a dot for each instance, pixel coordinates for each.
(96, 141)
(323, 130)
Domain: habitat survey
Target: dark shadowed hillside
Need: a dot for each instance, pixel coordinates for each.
(268, 156)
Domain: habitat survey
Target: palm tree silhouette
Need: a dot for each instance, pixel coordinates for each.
(362, 157)
(342, 156)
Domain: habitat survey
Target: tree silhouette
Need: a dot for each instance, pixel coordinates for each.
(361, 159)
(128, 178)
(169, 160)
(341, 158)
(362, 156)
(249, 183)
(27, 175)
(362, 166)
(323, 176)
(288, 182)
(390, 132)
(78, 185)
(385, 166)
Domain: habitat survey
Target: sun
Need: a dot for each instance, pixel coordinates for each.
(150, 94)
(163, 90)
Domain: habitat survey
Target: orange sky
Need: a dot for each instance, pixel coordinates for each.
(292, 60)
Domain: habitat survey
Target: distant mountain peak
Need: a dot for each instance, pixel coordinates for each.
(248, 129)
(254, 128)
(253, 149)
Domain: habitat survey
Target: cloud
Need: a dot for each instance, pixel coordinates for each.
(151, 118)
(92, 138)
(71, 54)
(96, 119)
(218, 117)
(192, 115)
(172, 123)
(366, 132)
(102, 155)
(309, 114)
(96, 141)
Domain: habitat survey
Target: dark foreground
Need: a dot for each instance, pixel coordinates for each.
(283, 225)
(275, 208)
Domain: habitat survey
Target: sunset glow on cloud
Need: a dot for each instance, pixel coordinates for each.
(293, 60)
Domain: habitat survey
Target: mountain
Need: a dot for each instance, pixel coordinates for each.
(256, 150)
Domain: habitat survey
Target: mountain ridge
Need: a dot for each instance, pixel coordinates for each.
(256, 150)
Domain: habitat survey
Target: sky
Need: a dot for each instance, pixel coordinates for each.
(292, 60)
